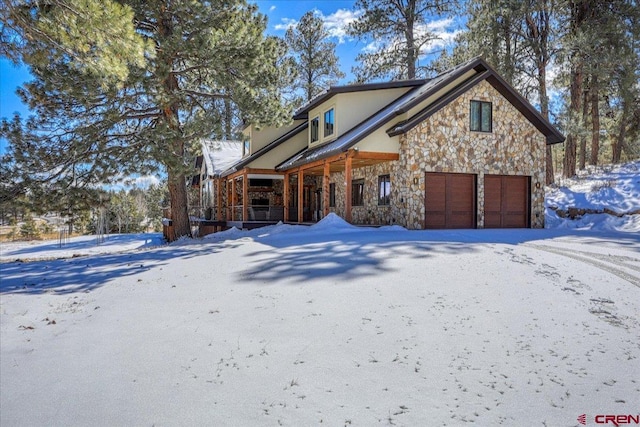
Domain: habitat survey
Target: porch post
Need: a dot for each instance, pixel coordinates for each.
(325, 188)
(285, 198)
(229, 201)
(245, 197)
(300, 195)
(218, 199)
(234, 199)
(347, 190)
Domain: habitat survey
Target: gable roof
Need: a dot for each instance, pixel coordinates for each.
(219, 155)
(303, 112)
(485, 72)
(275, 143)
(419, 94)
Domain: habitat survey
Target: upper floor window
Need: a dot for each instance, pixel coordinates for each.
(329, 122)
(481, 116)
(384, 190)
(315, 128)
(246, 148)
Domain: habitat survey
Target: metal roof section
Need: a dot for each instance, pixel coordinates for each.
(220, 155)
(302, 112)
(275, 143)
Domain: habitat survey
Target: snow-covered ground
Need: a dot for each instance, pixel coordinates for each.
(612, 188)
(332, 324)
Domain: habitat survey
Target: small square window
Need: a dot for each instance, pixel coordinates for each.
(384, 190)
(481, 120)
(315, 128)
(332, 195)
(357, 192)
(329, 122)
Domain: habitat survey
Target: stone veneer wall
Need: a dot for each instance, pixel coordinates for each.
(370, 212)
(444, 143)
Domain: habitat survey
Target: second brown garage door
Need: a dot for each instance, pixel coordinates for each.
(506, 201)
(450, 200)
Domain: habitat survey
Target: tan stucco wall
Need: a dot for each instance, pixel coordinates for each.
(351, 109)
(281, 153)
(444, 143)
(263, 136)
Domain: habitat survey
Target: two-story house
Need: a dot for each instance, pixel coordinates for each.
(461, 150)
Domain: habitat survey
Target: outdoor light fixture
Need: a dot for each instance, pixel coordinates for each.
(416, 180)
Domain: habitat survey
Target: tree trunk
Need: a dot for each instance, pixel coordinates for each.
(228, 118)
(178, 199)
(582, 158)
(177, 180)
(411, 51)
(595, 122)
(569, 166)
(616, 149)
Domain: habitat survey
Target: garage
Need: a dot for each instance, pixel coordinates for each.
(450, 200)
(506, 201)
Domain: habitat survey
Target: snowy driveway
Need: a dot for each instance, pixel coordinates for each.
(330, 325)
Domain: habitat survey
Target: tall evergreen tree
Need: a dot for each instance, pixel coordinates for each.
(314, 55)
(397, 32)
(130, 86)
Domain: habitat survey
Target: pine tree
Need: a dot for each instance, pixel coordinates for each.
(314, 55)
(129, 87)
(398, 35)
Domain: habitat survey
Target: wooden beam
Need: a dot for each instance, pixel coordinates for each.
(347, 189)
(300, 195)
(234, 199)
(286, 197)
(371, 155)
(245, 197)
(326, 175)
(334, 158)
(263, 171)
(218, 183)
(229, 202)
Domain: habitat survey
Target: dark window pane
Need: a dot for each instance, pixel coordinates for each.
(486, 117)
(332, 195)
(328, 122)
(315, 125)
(357, 192)
(384, 190)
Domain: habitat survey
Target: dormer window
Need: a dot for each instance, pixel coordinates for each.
(315, 129)
(329, 122)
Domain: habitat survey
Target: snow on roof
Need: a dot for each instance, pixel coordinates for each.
(220, 155)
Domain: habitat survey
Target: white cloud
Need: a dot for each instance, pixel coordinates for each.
(443, 33)
(272, 8)
(335, 23)
(286, 24)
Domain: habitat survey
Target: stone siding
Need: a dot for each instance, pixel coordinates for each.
(370, 212)
(444, 143)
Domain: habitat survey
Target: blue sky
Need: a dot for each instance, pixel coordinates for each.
(281, 13)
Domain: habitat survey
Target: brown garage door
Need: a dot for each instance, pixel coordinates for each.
(450, 200)
(506, 201)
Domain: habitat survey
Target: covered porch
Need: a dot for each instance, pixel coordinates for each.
(251, 195)
(307, 186)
